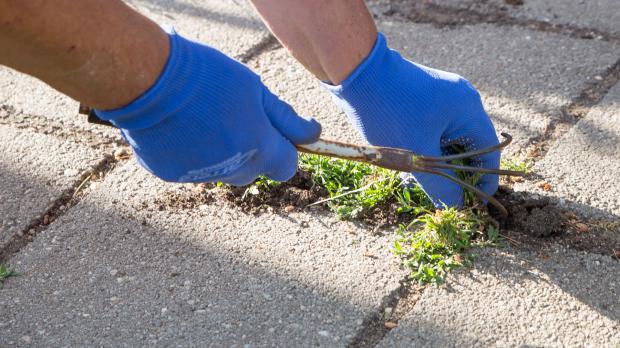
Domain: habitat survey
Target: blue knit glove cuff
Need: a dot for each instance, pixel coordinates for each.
(155, 104)
(370, 66)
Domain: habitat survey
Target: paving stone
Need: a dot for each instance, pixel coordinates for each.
(524, 81)
(603, 15)
(34, 171)
(583, 167)
(119, 270)
(229, 25)
(561, 298)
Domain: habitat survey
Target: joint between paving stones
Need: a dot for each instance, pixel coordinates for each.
(447, 16)
(393, 308)
(68, 199)
(268, 43)
(578, 108)
(46, 126)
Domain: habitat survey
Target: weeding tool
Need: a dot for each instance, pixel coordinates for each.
(395, 159)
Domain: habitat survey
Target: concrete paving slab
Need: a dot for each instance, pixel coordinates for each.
(602, 15)
(583, 167)
(229, 25)
(35, 169)
(559, 298)
(524, 81)
(118, 271)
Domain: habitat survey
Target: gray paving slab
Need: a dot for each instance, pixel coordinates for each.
(603, 15)
(35, 169)
(524, 81)
(228, 25)
(583, 167)
(118, 271)
(559, 298)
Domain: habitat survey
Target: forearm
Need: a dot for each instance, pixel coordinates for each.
(329, 37)
(99, 52)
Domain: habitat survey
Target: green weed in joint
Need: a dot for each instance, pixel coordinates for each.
(517, 163)
(6, 272)
(368, 185)
(262, 183)
(434, 243)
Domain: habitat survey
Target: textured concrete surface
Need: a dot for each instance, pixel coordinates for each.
(560, 298)
(34, 171)
(583, 167)
(523, 80)
(229, 25)
(118, 271)
(603, 15)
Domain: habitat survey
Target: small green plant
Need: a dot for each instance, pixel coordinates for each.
(353, 187)
(412, 200)
(260, 184)
(469, 198)
(5, 272)
(520, 164)
(434, 243)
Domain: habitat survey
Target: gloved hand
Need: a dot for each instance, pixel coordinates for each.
(397, 103)
(209, 118)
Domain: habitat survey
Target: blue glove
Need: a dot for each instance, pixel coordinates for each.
(209, 118)
(397, 103)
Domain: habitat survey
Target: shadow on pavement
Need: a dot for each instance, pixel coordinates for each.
(108, 272)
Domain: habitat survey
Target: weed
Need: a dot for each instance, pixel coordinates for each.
(517, 163)
(469, 198)
(434, 243)
(413, 200)
(353, 187)
(260, 184)
(5, 272)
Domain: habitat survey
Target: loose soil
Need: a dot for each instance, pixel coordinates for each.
(534, 221)
(294, 195)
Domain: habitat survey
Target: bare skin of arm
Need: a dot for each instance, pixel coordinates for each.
(100, 52)
(329, 37)
(83, 49)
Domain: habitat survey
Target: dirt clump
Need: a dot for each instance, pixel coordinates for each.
(534, 221)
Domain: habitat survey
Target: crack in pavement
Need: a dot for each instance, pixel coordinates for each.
(268, 43)
(590, 96)
(68, 199)
(446, 16)
(393, 308)
(57, 129)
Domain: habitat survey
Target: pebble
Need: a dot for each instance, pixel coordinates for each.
(122, 153)
(71, 172)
